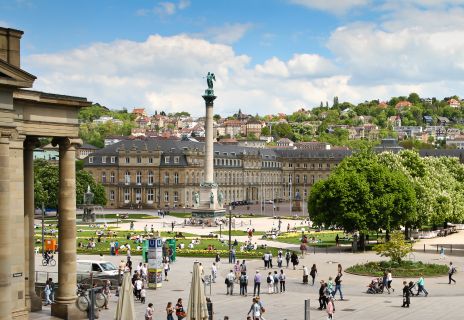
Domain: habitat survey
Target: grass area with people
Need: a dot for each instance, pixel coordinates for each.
(403, 269)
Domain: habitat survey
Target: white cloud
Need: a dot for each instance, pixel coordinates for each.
(332, 6)
(226, 34)
(166, 8)
(4, 24)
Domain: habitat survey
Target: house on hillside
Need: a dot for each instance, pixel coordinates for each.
(139, 112)
(403, 105)
(443, 121)
(454, 103)
(285, 142)
(395, 121)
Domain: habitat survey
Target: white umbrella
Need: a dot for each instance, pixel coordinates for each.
(125, 309)
(197, 307)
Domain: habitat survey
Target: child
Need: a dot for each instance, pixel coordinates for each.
(143, 294)
(149, 312)
(330, 308)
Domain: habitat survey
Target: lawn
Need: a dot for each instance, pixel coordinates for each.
(405, 269)
(225, 232)
(324, 238)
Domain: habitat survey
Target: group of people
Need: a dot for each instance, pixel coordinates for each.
(328, 290)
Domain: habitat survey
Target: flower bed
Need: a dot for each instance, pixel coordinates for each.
(404, 269)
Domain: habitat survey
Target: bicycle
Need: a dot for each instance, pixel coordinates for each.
(49, 261)
(83, 300)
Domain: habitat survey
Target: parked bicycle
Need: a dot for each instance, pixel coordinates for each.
(83, 299)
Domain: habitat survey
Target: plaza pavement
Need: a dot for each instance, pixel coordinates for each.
(444, 301)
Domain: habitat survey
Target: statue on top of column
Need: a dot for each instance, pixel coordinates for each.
(210, 77)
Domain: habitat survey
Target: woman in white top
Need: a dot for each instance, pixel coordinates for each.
(166, 269)
(270, 283)
(255, 310)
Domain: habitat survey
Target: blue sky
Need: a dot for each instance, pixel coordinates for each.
(269, 55)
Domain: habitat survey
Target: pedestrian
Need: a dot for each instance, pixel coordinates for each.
(339, 269)
(232, 254)
(107, 292)
(255, 310)
(330, 308)
(243, 284)
(389, 281)
(313, 273)
(266, 260)
(52, 289)
(279, 261)
(338, 286)
(406, 295)
(337, 240)
(257, 283)
(421, 285)
(169, 311)
(213, 272)
(143, 294)
(276, 282)
(47, 293)
(287, 257)
(282, 279)
(230, 279)
(322, 301)
(294, 259)
(218, 258)
(330, 286)
(442, 253)
(305, 275)
(270, 259)
(166, 268)
(149, 312)
(451, 271)
(243, 267)
(180, 313)
(237, 272)
(138, 285)
(172, 226)
(144, 271)
(270, 283)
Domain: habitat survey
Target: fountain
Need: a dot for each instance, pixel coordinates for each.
(89, 215)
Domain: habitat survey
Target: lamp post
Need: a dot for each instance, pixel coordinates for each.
(220, 230)
(230, 234)
(43, 230)
(117, 220)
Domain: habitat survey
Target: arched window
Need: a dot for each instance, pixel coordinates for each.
(127, 177)
(150, 178)
(138, 178)
(103, 177)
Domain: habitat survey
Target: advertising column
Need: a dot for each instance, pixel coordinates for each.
(155, 263)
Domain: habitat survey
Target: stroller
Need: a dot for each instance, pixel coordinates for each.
(375, 287)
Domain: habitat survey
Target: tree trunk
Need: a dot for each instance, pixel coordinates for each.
(406, 232)
(387, 235)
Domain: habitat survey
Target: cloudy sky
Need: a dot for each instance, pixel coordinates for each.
(269, 56)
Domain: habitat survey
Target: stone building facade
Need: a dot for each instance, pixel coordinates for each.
(159, 173)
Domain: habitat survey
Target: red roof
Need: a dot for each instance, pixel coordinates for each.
(138, 110)
(403, 104)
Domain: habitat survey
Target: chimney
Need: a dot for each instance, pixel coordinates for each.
(9, 46)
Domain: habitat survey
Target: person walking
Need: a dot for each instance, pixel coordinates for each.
(243, 267)
(169, 311)
(230, 279)
(143, 294)
(107, 292)
(257, 283)
(421, 286)
(270, 283)
(389, 281)
(305, 275)
(287, 257)
(339, 269)
(138, 288)
(47, 293)
(442, 253)
(237, 270)
(255, 310)
(279, 261)
(243, 284)
(322, 301)
(282, 279)
(149, 312)
(266, 260)
(270, 259)
(330, 286)
(338, 286)
(451, 271)
(213, 272)
(52, 289)
(294, 259)
(313, 273)
(330, 308)
(180, 312)
(406, 295)
(276, 282)
(166, 269)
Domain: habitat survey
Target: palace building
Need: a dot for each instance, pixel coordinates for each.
(161, 173)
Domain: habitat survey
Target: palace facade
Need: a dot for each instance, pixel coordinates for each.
(161, 173)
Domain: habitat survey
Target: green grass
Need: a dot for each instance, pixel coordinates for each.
(180, 214)
(225, 232)
(405, 269)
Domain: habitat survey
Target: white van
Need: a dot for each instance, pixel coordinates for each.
(99, 269)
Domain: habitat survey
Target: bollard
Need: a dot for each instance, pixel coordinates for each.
(306, 310)
(424, 247)
(209, 305)
(314, 249)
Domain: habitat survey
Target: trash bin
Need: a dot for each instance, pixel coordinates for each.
(50, 245)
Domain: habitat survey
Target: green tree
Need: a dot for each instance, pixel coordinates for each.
(395, 249)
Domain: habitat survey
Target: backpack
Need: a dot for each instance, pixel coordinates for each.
(226, 281)
(243, 279)
(276, 278)
(268, 279)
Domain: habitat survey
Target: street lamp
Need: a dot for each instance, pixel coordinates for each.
(117, 220)
(43, 225)
(230, 234)
(220, 230)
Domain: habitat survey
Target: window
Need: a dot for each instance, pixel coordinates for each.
(138, 178)
(150, 195)
(328, 165)
(176, 196)
(139, 159)
(111, 195)
(91, 159)
(166, 196)
(127, 160)
(305, 165)
(138, 195)
(176, 178)
(167, 159)
(104, 159)
(312, 165)
(305, 179)
(176, 160)
(103, 177)
(297, 178)
(127, 177)
(150, 160)
(290, 165)
(113, 159)
(150, 178)
(166, 178)
(112, 177)
(312, 179)
(126, 195)
(320, 165)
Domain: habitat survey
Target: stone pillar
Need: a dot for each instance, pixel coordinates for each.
(64, 306)
(33, 302)
(5, 258)
(209, 152)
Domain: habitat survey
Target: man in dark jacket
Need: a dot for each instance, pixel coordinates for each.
(406, 295)
(322, 300)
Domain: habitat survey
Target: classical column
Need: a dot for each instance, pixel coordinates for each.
(209, 152)
(64, 306)
(5, 265)
(33, 302)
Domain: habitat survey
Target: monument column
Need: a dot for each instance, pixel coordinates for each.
(64, 306)
(209, 141)
(33, 302)
(5, 265)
